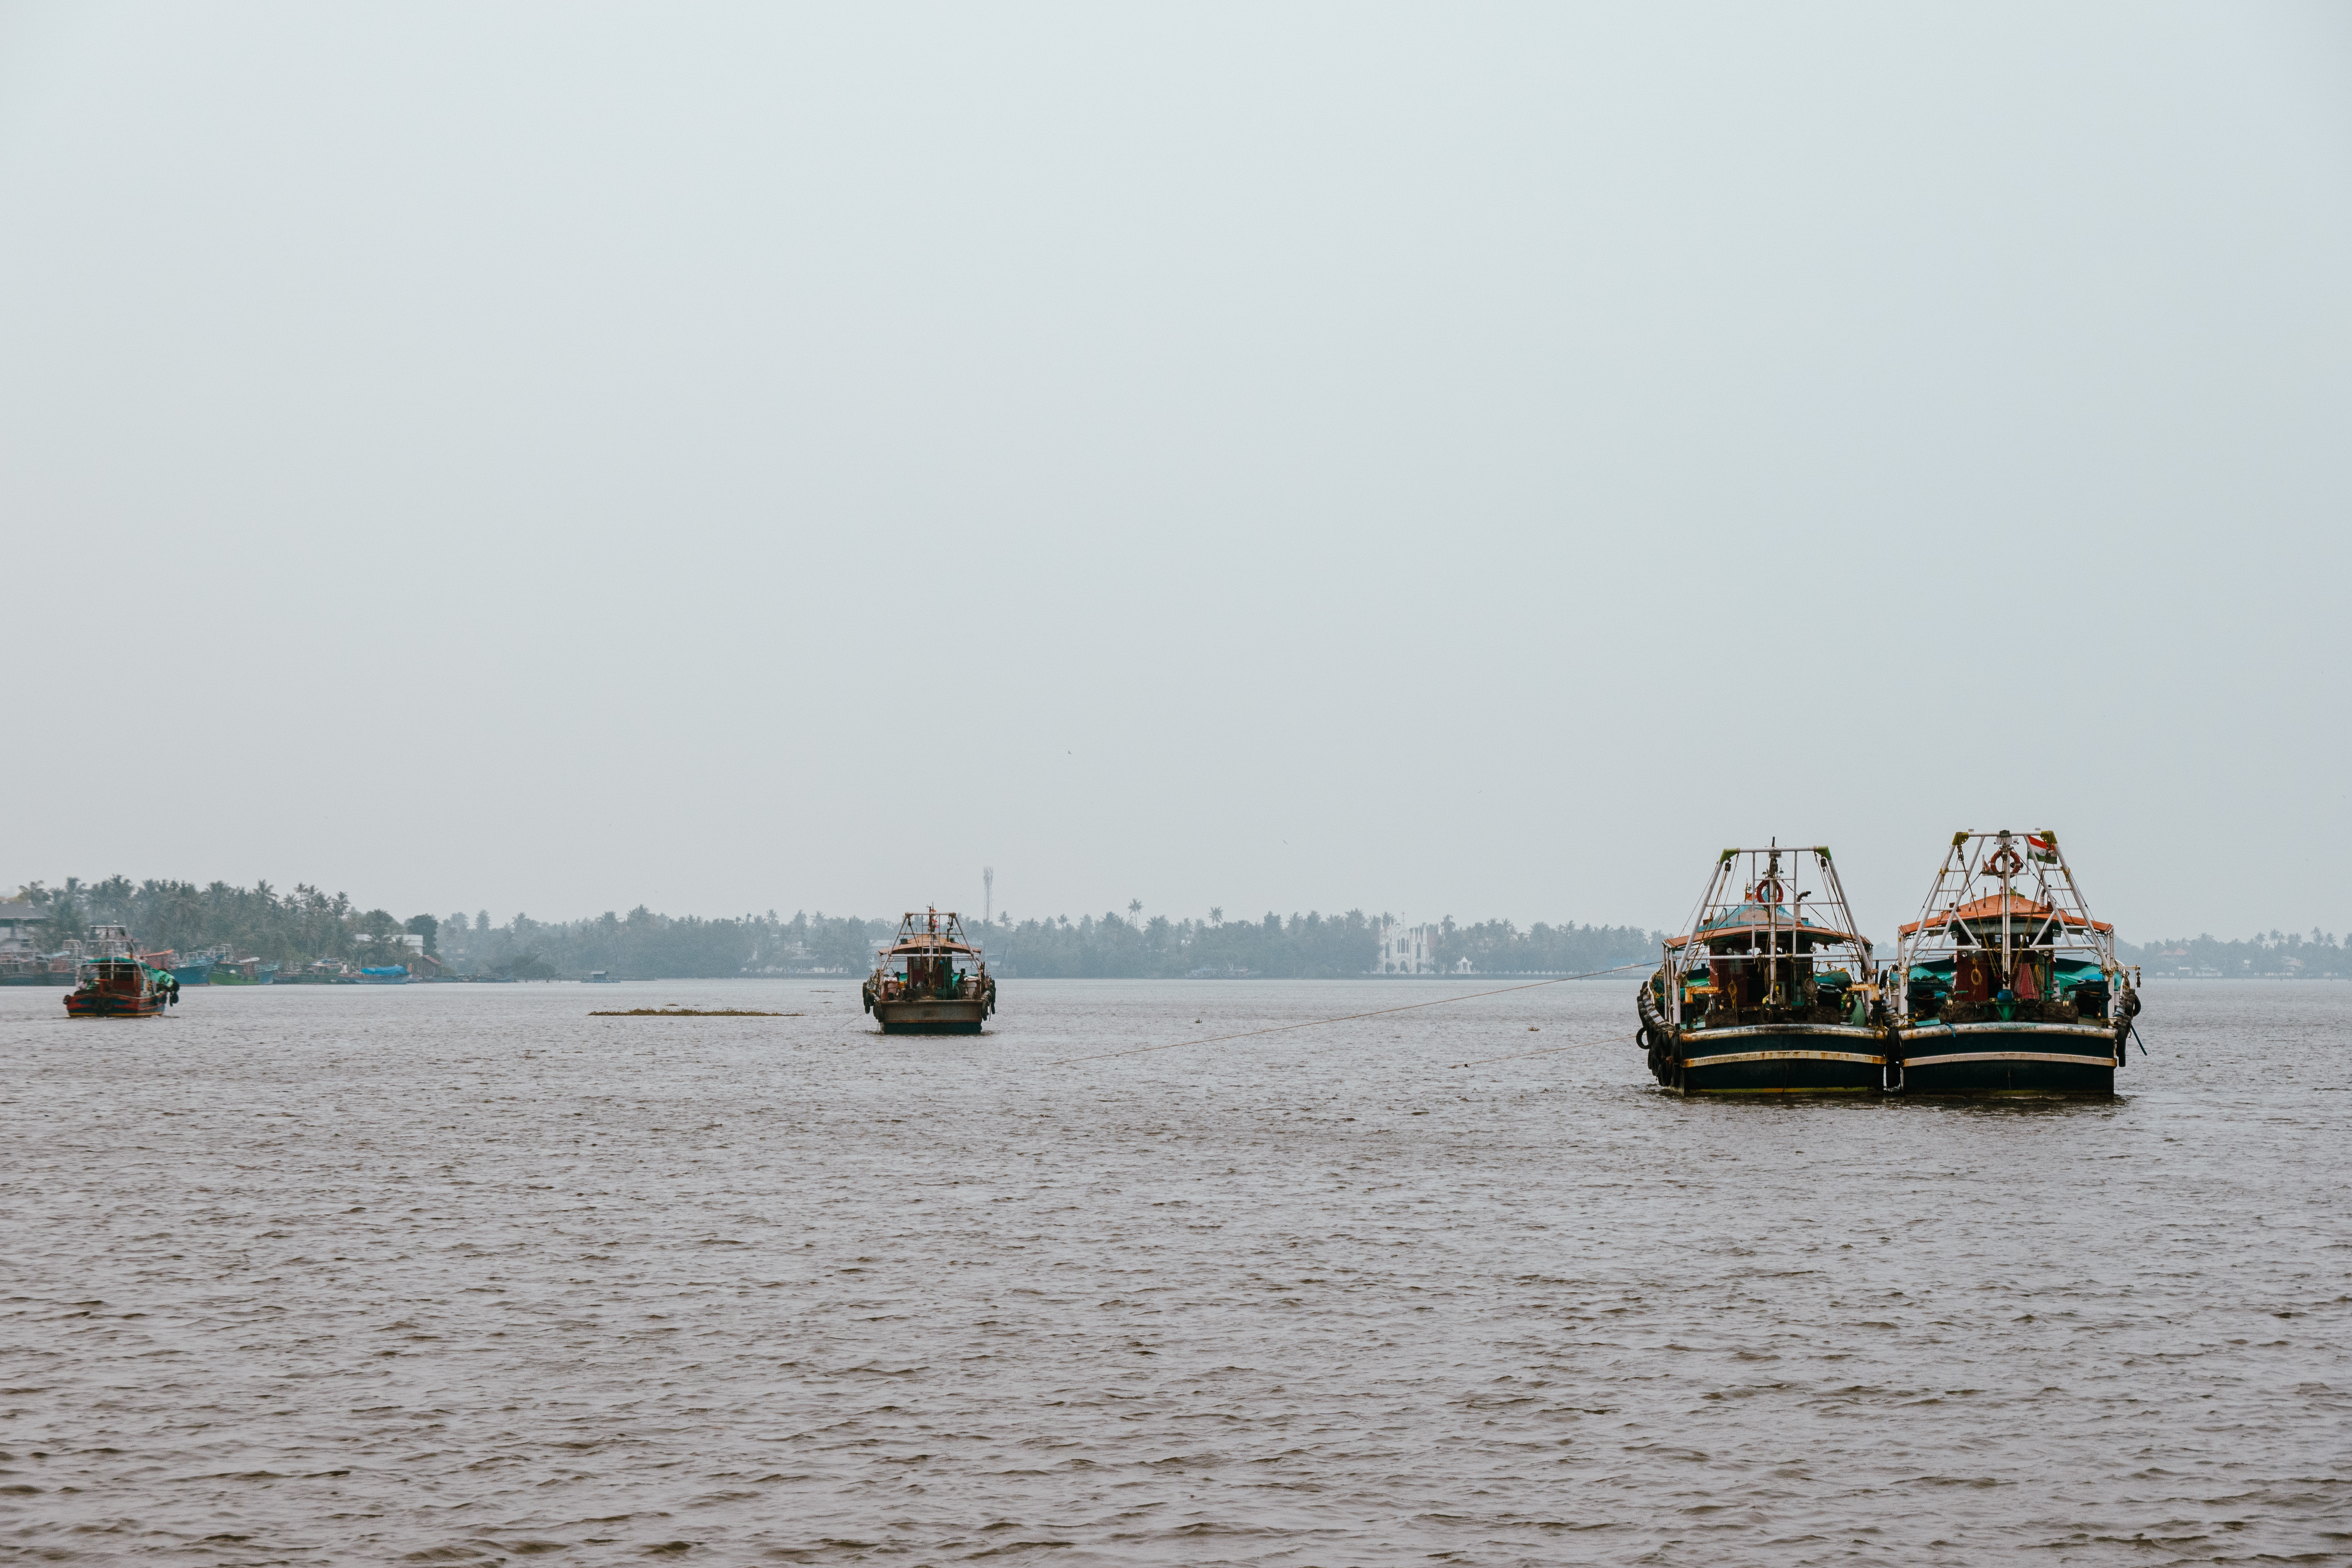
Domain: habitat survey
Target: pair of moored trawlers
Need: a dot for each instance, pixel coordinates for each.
(2004, 984)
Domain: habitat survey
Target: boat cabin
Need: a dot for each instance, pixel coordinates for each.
(929, 958)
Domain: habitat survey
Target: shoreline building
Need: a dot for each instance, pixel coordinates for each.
(1405, 950)
(20, 920)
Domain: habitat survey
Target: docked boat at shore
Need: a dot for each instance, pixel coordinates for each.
(930, 980)
(37, 969)
(2005, 984)
(1770, 990)
(112, 981)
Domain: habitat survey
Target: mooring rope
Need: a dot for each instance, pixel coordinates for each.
(1351, 1017)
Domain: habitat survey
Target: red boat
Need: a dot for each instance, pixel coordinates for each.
(111, 981)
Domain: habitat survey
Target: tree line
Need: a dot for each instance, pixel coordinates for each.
(2277, 955)
(642, 945)
(298, 927)
(1312, 945)
(308, 924)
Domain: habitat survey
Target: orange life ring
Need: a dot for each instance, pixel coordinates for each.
(2005, 861)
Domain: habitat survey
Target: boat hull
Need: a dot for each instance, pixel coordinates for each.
(2006, 1058)
(105, 1005)
(954, 1017)
(1780, 1059)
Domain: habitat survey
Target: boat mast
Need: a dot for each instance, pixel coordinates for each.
(2005, 861)
(1679, 957)
(1837, 898)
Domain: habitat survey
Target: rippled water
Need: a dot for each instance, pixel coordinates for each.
(456, 1273)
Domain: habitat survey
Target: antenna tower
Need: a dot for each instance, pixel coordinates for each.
(988, 895)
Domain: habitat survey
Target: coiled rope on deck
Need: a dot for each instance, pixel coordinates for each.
(1351, 1017)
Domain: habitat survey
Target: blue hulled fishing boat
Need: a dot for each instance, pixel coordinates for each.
(189, 969)
(1770, 990)
(2005, 984)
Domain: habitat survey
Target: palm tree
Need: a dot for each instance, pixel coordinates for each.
(66, 921)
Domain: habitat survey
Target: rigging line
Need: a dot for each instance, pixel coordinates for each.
(1350, 1017)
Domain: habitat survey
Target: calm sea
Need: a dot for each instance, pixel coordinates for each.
(459, 1274)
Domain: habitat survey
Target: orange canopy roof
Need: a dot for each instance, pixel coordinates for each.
(1989, 908)
(1751, 916)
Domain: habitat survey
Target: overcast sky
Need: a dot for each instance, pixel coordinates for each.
(1448, 460)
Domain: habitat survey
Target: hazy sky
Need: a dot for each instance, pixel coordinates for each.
(1452, 460)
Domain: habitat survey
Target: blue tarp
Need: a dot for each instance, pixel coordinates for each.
(2066, 974)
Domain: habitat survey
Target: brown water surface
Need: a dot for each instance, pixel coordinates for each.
(451, 1274)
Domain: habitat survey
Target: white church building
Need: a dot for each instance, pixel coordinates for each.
(1405, 950)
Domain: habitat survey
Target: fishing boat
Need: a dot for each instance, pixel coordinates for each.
(37, 969)
(196, 969)
(320, 971)
(111, 981)
(1770, 990)
(2007, 984)
(930, 980)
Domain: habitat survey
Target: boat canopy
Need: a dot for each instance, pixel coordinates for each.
(1992, 906)
(934, 933)
(1751, 916)
(930, 944)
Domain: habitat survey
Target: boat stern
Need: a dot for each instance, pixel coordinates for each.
(949, 1016)
(2004, 1058)
(1779, 1059)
